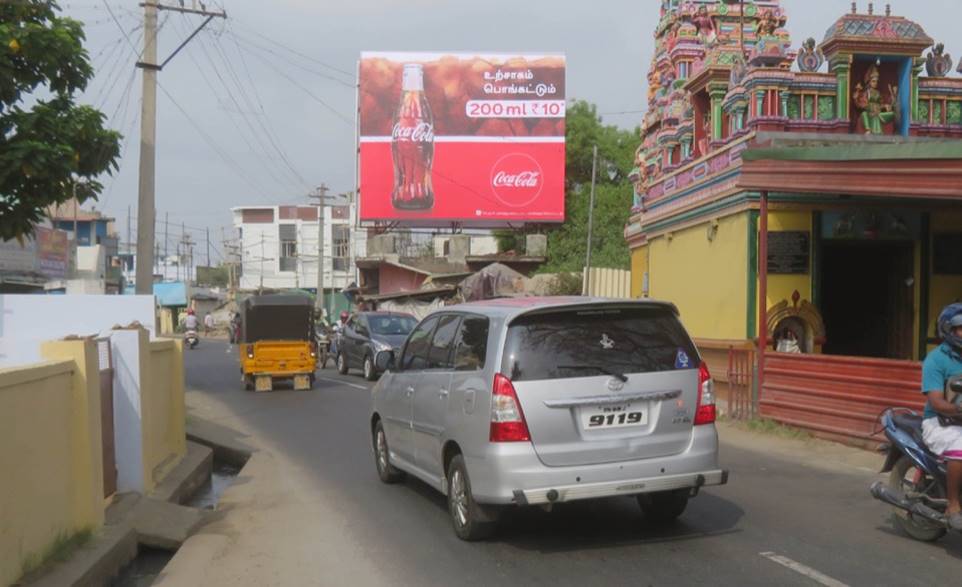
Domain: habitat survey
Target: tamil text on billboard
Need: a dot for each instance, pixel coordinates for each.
(467, 138)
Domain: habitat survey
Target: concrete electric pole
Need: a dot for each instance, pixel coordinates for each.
(321, 195)
(148, 133)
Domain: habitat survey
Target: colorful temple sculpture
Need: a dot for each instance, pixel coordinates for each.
(803, 201)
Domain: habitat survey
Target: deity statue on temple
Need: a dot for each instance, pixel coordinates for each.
(876, 112)
(768, 24)
(705, 25)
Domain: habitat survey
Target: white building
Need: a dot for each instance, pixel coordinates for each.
(278, 246)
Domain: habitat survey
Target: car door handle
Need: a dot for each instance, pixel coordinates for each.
(409, 391)
(443, 394)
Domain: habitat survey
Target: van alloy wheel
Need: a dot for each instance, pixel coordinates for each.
(459, 498)
(472, 521)
(386, 472)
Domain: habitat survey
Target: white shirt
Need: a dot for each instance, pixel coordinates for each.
(209, 321)
(191, 322)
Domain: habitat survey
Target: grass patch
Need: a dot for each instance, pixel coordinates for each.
(57, 551)
(766, 426)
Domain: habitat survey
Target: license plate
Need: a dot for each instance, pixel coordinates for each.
(605, 417)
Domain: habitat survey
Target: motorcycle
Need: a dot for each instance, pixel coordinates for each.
(191, 339)
(916, 486)
(323, 342)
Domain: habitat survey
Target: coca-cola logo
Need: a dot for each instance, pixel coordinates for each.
(517, 179)
(422, 132)
(525, 179)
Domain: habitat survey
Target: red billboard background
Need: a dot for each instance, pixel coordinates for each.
(477, 139)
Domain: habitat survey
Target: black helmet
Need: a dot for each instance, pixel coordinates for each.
(949, 320)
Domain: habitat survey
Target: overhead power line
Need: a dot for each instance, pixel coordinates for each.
(250, 104)
(263, 151)
(290, 61)
(274, 41)
(301, 87)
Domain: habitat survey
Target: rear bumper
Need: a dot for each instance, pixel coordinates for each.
(613, 488)
(511, 472)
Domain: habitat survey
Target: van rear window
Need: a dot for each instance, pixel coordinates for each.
(624, 340)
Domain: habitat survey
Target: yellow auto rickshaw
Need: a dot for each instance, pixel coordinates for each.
(277, 341)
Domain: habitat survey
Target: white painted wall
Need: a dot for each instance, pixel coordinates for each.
(128, 425)
(28, 320)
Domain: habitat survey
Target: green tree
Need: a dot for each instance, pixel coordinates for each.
(616, 149)
(50, 147)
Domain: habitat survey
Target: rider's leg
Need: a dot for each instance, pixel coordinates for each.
(953, 485)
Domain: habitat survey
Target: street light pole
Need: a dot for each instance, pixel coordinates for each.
(591, 218)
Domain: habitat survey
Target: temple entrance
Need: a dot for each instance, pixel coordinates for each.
(867, 298)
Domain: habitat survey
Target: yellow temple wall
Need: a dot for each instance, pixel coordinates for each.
(705, 275)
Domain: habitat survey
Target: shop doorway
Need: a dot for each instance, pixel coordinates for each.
(867, 298)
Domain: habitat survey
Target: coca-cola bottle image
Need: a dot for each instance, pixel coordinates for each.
(412, 144)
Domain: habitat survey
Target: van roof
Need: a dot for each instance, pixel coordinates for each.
(510, 308)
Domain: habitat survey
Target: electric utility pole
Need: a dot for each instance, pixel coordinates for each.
(320, 193)
(148, 131)
(591, 217)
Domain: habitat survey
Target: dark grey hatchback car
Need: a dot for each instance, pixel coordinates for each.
(367, 333)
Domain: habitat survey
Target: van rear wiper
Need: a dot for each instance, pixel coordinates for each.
(605, 370)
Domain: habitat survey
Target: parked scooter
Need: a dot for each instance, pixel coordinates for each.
(916, 485)
(191, 339)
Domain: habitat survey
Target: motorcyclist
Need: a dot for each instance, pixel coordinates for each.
(338, 331)
(943, 435)
(190, 323)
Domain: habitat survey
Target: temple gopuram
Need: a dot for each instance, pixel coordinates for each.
(801, 204)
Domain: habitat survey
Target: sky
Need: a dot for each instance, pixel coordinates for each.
(258, 108)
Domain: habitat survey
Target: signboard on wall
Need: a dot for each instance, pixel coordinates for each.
(788, 252)
(46, 253)
(461, 137)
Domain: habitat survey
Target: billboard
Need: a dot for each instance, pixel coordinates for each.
(461, 137)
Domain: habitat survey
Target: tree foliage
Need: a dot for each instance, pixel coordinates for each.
(616, 151)
(50, 146)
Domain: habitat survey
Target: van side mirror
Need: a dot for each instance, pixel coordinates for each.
(384, 360)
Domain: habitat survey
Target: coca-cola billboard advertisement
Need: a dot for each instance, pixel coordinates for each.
(461, 137)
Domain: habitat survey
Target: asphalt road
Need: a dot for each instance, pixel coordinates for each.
(779, 521)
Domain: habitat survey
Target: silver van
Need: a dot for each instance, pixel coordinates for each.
(536, 401)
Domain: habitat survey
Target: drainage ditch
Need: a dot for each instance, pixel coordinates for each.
(149, 562)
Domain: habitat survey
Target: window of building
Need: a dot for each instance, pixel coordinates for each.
(288, 248)
(341, 235)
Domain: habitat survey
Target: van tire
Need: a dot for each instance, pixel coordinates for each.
(662, 507)
(341, 362)
(386, 472)
(471, 520)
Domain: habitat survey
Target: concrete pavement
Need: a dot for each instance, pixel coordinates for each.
(308, 509)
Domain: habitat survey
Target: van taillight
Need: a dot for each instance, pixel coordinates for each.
(507, 419)
(705, 412)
